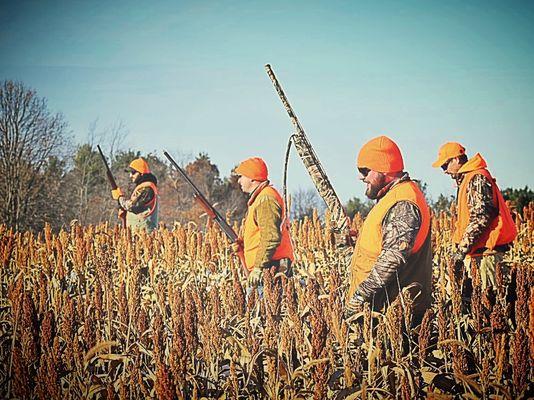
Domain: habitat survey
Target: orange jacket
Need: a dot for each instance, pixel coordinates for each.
(251, 230)
(502, 229)
(369, 244)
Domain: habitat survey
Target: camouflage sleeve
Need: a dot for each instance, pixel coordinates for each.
(268, 216)
(481, 211)
(137, 203)
(399, 230)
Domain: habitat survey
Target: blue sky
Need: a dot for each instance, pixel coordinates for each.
(189, 77)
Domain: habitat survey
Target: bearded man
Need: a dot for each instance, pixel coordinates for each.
(393, 250)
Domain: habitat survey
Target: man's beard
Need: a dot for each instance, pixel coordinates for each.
(372, 190)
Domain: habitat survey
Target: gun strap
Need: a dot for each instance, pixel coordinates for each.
(286, 164)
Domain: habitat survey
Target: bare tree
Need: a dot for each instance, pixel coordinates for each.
(304, 201)
(87, 176)
(29, 136)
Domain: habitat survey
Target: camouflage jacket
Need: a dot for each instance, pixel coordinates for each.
(138, 201)
(481, 211)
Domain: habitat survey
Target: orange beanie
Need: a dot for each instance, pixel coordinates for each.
(381, 154)
(253, 168)
(140, 165)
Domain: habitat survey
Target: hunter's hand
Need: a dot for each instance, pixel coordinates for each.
(121, 213)
(457, 262)
(237, 246)
(354, 306)
(116, 193)
(254, 278)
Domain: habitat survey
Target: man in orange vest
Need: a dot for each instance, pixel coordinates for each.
(265, 231)
(393, 250)
(484, 228)
(143, 205)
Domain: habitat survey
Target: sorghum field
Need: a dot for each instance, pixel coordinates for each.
(101, 312)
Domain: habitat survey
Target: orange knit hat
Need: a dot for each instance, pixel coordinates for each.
(447, 151)
(140, 165)
(253, 168)
(381, 154)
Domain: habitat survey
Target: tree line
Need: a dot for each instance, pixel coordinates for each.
(46, 178)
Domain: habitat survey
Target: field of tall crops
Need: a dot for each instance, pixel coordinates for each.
(101, 312)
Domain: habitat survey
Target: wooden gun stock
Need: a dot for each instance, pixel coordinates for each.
(210, 210)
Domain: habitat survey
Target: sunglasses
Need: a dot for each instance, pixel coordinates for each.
(445, 165)
(364, 171)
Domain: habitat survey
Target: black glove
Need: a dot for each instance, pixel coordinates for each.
(457, 258)
(457, 261)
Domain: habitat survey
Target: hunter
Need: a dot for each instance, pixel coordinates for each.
(393, 250)
(484, 226)
(142, 207)
(264, 235)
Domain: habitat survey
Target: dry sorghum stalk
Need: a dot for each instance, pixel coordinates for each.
(238, 293)
(86, 312)
(531, 328)
(424, 335)
(459, 361)
(335, 304)
(140, 383)
(485, 373)
(21, 377)
(456, 289)
(367, 323)
(43, 293)
(522, 304)
(319, 333)
(97, 299)
(190, 324)
(134, 291)
(123, 304)
(67, 330)
(158, 337)
(290, 302)
(234, 381)
(40, 379)
(29, 331)
(48, 330)
(393, 324)
(214, 336)
(178, 355)
(520, 361)
(476, 297)
(163, 384)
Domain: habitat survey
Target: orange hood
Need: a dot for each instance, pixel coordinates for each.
(474, 163)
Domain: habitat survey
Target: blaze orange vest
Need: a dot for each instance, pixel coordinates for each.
(251, 231)
(147, 219)
(151, 205)
(369, 244)
(502, 229)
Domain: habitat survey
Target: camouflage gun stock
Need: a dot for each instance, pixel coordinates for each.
(313, 165)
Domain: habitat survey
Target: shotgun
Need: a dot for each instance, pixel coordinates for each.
(111, 180)
(209, 209)
(313, 166)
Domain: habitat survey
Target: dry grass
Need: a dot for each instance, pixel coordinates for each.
(98, 312)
